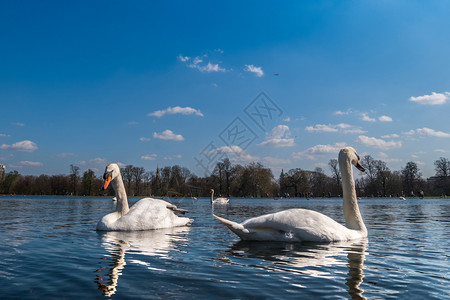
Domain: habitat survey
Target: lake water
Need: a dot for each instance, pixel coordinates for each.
(49, 249)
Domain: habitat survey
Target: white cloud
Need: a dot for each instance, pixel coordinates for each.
(342, 127)
(288, 119)
(253, 69)
(384, 157)
(27, 163)
(433, 99)
(354, 131)
(320, 165)
(149, 157)
(144, 139)
(432, 132)
(312, 152)
(279, 137)
(365, 117)
(197, 60)
(428, 132)
(378, 143)
(4, 135)
(19, 124)
(176, 110)
(411, 132)
(420, 163)
(440, 150)
(385, 119)
(321, 128)
(211, 68)
(183, 58)
(23, 146)
(347, 128)
(198, 63)
(390, 136)
(235, 153)
(168, 135)
(96, 164)
(244, 158)
(227, 150)
(341, 113)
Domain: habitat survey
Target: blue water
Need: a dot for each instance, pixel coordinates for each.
(49, 249)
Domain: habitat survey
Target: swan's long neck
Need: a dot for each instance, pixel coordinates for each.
(353, 218)
(212, 196)
(121, 194)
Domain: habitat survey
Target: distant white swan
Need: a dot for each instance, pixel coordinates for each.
(146, 214)
(298, 225)
(219, 200)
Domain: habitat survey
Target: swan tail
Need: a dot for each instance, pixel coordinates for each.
(237, 228)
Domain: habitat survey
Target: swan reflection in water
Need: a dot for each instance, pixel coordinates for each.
(158, 242)
(304, 259)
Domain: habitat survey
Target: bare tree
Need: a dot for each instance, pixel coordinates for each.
(442, 167)
(370, 165)
(137, 175)
(74, 171)
(334, 167)
(88, 183)
(410, 175)
(383, 175)
(127, 174)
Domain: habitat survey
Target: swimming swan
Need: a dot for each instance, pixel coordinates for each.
(146, 214)
(220, 200)
(297, 225)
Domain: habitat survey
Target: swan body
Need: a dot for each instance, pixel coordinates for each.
(303, 225)
(220, 200)
(146, 214)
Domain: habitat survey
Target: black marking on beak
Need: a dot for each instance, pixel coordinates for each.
(359, 166)
(105, 176)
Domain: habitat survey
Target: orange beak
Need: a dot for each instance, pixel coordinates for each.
(106, 182)
(360, 167)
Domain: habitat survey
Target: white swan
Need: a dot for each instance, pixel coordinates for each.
(146, 214)
(299, 225)
(220, 200)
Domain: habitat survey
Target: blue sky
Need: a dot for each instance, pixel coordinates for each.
(150, 83)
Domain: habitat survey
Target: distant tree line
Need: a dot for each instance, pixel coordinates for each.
(235, 180)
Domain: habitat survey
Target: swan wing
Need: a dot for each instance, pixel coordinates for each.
(147, 214)
(294, 225)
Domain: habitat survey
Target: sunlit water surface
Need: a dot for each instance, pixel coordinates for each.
(49, 249)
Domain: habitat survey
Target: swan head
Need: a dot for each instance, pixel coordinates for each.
(111, 172)
(349, 154)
